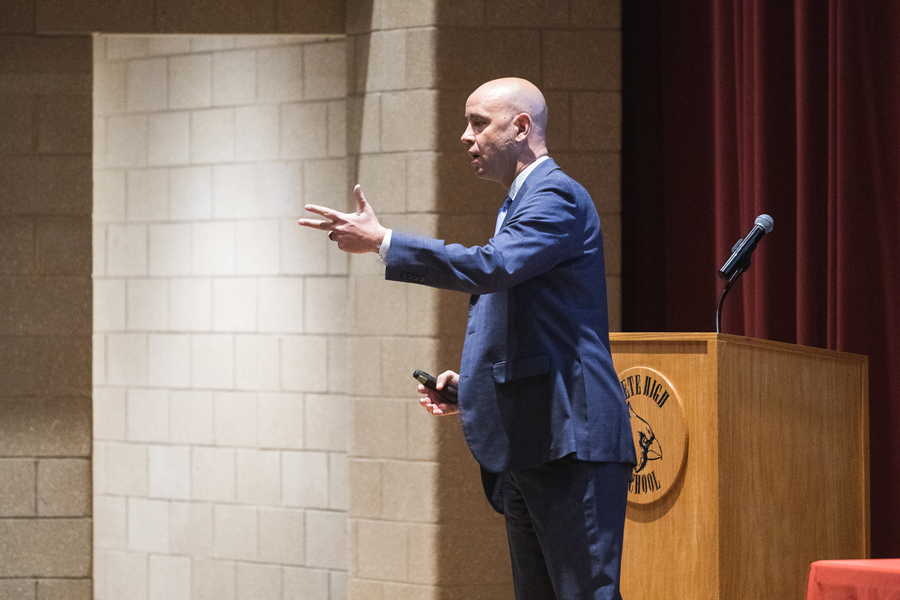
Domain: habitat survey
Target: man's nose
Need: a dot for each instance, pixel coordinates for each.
(467, 137)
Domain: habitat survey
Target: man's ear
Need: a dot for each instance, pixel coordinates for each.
(523, 126)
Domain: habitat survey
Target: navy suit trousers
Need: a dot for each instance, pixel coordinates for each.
(565, 521)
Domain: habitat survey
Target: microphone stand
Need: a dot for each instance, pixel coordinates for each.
(737, 273)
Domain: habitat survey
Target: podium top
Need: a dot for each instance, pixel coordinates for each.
(619, 338)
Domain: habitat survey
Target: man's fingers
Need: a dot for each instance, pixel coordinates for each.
(324, 225)
(328, 213)
(361, 201)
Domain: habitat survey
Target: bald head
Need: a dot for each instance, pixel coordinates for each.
(516, 96)
(507, 119)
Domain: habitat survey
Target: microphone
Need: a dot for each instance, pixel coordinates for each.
(740, 253)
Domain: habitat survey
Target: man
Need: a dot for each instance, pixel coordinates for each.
(539, 400)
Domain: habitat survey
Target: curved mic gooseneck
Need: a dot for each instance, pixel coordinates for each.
(739, 261)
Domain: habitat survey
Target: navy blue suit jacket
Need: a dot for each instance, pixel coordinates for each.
(536, 380)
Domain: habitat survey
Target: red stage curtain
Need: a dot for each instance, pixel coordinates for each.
(733, 108)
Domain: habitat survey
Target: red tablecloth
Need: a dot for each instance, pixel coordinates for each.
(877, 579)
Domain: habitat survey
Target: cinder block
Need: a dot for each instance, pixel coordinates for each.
(148, 415)
(212, 136)
(383, 179)
(256, 132)
(129, 16)
(209, 16)
(98, 243)
(280, 74)
(306, 583)
(421, 47)
(109, 413)
(170, 249)
(212, 248)
(19, 480)
(258, 582)
(109, 88)
(304, 477)
(45, 185)
(169, 472)
(17, 239)
(573, 61)
(64, 124)
(47, 306)
(213, 579)
(17, 16)
(386, 317)
(190, 81)
(600, 14)
(170, 578)
(257, 247)
(304, 130)
(190, 529)
(109, 195)
(65, 589)
(127, 575)
(234, 78)
(125, 471)
(234, 304)
(63, 246)
(256, 362)
(167, 45)
(126, 362)
(614, 301)
(365, 488)
(366, 588)
(146, 82)
(338, 584)
(337, 128)
(45, 548)
(280, 304)
(409, 121)
(362, 355)
(379, 428)
(64, 487)
(169, 361)
(303, 363)
(212, 362)
(148, 525)
(326, 539)
(338, 482)
(364, 124)
(168, 139)
(235, 419)
(326, 422)
(399, 356)
(212, 474)
(190, 193)
(325, 70)
(328, 305)
(598, 117)
(326, 17)
(281, 534)
(410, 491)
(511, 52)
(191, 417)
(126, 250)
(383, 550)
(326, 183)
(212, 43)
(258, 477)
(280, 192)
(126, 141)
(386, 60)
(303, 250)
(235, 530)
(190, 304)
(281, 421)
(110, 522)
(234, 191)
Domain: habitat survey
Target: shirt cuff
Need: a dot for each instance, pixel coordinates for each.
(385, 247)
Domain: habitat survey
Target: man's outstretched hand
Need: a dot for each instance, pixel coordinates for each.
(357, 232)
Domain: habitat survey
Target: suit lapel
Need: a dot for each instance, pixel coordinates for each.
(540, 171)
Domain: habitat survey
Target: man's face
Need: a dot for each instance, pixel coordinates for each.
(491, 136)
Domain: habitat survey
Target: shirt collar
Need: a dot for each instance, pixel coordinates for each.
(520, 180)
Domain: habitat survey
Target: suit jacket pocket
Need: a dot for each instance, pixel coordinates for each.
(511, 370)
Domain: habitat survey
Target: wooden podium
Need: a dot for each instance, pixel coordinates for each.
(755, 464)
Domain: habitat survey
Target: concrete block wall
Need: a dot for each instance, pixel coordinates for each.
(45, 322)
(220, 409)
